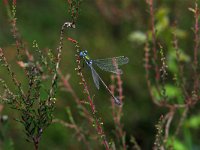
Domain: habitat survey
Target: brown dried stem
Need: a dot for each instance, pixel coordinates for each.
(69, 88)
(180, 66)
(117, 111)
(78, 130)
(97, 121)
(59, 50)
(154, 41)
(12, 74)
(196, 46)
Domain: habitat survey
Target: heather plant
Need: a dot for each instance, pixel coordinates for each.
(41, 71)
(91, 114)
(36, 103)
(58, 101)
(180, 94)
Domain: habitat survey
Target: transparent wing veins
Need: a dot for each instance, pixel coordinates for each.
(95, 77)
(111, 64)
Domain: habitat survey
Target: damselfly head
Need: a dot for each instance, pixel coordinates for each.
(83, 53)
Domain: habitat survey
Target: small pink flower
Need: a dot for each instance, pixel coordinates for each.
(22, 64)
(69, 1)
(5, 2)
(72, 40)
(14, 2)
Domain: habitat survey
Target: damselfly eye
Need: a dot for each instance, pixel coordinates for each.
(81, 54)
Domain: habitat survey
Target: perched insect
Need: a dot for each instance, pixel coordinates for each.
(107, 64)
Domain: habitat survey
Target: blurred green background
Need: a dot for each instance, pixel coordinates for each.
(103, 35)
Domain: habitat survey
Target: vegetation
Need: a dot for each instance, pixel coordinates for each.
(48, 98)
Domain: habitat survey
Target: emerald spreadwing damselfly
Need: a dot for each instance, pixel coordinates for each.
(107, 64)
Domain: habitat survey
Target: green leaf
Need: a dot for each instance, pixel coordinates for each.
(137, 37)
(179, 33)
(162, 20)
(8, 144)
(155, 93)
(172, 91)
(172, 59)
(193, 122)
(71, 119)
(177, 145)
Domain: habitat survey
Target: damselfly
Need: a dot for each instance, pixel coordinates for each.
(107, 64)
